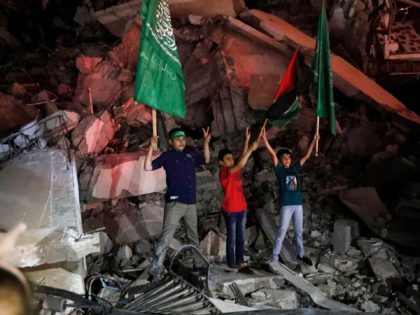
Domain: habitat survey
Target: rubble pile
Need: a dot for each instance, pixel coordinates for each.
(72, 115)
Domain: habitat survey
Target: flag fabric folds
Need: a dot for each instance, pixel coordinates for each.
(160, 80)
(322, 74)
(286, 106)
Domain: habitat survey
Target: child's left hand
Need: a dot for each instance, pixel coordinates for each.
(206, 135)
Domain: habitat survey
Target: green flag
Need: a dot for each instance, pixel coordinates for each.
(160, 80)
(322, 73)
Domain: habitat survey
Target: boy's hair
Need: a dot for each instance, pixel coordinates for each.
(172, 133)
(222, 153)
(283, 151)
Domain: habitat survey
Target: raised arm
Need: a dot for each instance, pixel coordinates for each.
(244, 158)
(310, 149)
(269, 148)
(207, 137)
(246, 143)
(148, 160)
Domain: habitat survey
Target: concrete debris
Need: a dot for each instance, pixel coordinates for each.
(383, 269)
(232, 69)
(246, 285)
(344, 232)
(306, 286)
(379, 219)
(231, 307)
(125, 252)
(282, 299)
(135, 225)
(371, 307)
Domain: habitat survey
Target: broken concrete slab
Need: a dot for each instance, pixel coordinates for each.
(205, 8)
(118, 176)
(262, 89)
(133, 113)
(49, 245)
(103, 89)
(346, 78)
(373, 247)
(93, 134)
(230, 307)
(48, 181)
(60, 278)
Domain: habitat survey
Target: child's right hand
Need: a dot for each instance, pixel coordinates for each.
(254, 145)
(247, 134)
(153, 141)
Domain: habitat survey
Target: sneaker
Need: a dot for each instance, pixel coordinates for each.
(277, 259)
(306, 260)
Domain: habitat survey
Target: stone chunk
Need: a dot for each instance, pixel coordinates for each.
(214, 244)
(87, 64)
(93, 134)
(383, 268)
(342, 237)
(283, 299)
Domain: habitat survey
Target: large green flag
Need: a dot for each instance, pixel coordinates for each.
(322, 73)
(160, 80)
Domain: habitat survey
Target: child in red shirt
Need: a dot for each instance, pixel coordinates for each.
(234, 202)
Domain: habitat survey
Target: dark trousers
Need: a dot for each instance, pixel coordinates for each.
(235, 225)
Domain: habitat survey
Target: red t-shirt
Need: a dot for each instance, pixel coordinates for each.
(234, 200)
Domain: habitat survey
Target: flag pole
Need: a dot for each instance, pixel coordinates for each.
(262, 128)
(154, 125)
(317, 133)
(90, 108)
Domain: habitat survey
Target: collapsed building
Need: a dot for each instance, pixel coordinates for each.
(74, 141)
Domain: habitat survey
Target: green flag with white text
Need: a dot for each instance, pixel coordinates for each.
(322, 73)
(159, 80)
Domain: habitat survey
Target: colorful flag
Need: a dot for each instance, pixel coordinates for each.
(160, 80)
(286, 106)
(322, 73)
